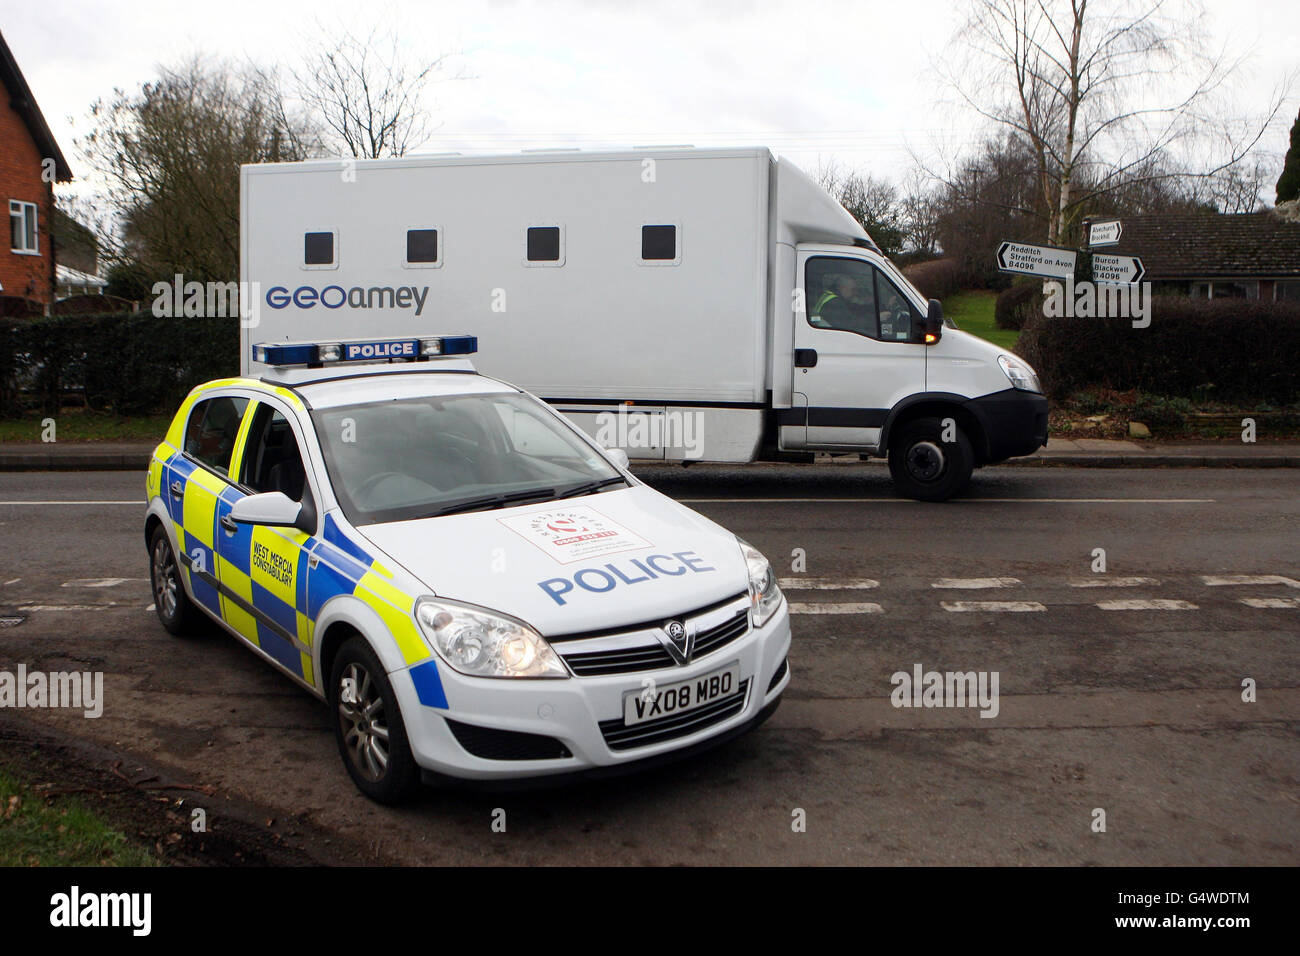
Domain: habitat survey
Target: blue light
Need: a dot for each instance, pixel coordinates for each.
(459, 344)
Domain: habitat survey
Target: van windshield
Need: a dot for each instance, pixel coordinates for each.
(423, 457)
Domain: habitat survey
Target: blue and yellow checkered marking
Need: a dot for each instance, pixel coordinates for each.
(268, 569)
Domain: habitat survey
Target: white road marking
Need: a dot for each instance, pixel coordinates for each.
(13, 580)
(67, 607)
(1102, 581)
(796, 608)
(1000, 606)
(908, 501)
(827, 584)
(1230, 580)
(1151, 604)
(97, 582)
(151, 607)
(139, 504)
(1272, 602)
(975, 584)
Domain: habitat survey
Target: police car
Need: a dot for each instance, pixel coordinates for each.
(475, 587)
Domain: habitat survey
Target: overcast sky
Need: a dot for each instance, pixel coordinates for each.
(853, 81)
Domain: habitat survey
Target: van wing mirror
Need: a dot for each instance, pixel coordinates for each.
(272, 508)
(932, 326)
(618, 456)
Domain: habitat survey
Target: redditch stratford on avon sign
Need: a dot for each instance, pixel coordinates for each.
(1029, 260)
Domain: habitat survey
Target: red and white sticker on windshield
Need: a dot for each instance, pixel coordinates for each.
(574, 534)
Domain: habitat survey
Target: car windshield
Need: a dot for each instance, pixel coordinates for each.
(421, 457)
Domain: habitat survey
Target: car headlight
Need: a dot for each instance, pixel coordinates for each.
(482, 644)
(1019, 374)
(764, 595)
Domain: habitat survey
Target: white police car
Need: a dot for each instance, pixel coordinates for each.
(475, 587)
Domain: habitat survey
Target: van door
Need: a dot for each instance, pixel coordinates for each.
(855, 354)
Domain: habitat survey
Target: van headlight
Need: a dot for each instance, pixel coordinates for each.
(764, 595)
(482, 644)
(1019, 374)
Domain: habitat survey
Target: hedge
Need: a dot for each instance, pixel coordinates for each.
(1017, 305)
(130, 364)
(1235, 350)
(935, 278)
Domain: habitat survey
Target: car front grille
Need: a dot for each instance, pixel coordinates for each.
(638, 648)
(618, 736)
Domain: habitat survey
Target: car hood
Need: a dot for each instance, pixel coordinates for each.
(601, 561)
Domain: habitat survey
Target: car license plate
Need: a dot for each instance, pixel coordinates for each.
(654, 701)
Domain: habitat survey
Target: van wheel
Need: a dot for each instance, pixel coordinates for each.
(368, 726)
(175, 610)
(926, 467)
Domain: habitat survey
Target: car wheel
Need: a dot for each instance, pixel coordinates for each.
(925, 466)
(175, 610)
(368, 726)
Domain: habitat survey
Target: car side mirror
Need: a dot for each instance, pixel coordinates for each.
(271, 508)
(932, 326)
(618, 456)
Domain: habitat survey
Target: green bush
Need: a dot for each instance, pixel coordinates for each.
(128, 364)
(1234, 350)
(936, 278)
(1017, 305)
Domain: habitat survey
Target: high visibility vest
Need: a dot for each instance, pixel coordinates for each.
(826, 297)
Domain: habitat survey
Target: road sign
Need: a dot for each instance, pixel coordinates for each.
(1036, 260)
(1105, 233)
(1117, 270)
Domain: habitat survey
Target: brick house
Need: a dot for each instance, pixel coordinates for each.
(1214, 255)
(30, 163)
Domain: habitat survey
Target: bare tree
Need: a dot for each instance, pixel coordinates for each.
(1100, 91)
(169, 156)
(873, 202)
(368, 92)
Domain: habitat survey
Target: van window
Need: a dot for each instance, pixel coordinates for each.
(850, 295)
(659, 243)
(422, 246)
(543, 244)
(211, 431)
(318, 249)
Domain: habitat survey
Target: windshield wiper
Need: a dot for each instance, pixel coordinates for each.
(587, 487)
(496, 501)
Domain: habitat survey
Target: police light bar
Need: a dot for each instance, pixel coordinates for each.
(363, 350)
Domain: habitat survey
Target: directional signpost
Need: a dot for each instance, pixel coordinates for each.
(1029, 260)
(1117, 270)
(1104, 233)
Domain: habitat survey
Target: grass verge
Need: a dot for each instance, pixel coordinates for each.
(973, 312)
(59, 831)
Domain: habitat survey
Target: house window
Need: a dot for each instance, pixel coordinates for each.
(659, 245)
(544, 246)
(423, 248)
(318, 250)
(22, 227)
(1287, 291)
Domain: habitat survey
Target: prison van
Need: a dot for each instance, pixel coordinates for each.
(680, 304)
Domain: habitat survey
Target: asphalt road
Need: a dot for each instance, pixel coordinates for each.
(1134, 708)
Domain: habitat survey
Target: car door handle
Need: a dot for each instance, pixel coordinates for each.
(805, 358)
(230, 524)
(177, 489)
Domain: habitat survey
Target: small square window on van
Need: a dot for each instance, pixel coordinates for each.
(659, 243)
(543, 243)
(422, 246)
(318, 249)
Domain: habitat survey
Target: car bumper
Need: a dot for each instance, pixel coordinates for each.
(1015, 422)
(578, 713)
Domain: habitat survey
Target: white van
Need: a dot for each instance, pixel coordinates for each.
(680, 304)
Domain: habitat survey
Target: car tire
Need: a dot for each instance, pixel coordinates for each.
(926, 467)
(368, 728)
(175, 609)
